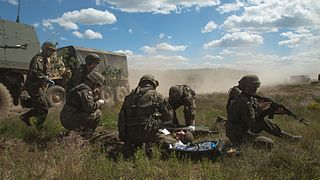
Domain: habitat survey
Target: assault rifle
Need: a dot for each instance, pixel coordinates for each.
(195, 130)
(277, 108)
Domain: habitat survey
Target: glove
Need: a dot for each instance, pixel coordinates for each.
(100, 102)
(191, 128)
(50, 82)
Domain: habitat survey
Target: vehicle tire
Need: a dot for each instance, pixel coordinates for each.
(56, 96)
(120, 93)
(107, 95)
(5, 101)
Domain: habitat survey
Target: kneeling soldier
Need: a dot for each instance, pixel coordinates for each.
(82, 110)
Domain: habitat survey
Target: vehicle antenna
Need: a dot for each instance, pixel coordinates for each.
(18, 18)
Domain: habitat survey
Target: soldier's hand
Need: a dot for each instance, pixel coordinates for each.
(100, 102)
(50, 82)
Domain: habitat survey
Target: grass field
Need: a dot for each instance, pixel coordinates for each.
(26, 153)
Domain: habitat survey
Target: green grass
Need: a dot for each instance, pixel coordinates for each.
(26, 153)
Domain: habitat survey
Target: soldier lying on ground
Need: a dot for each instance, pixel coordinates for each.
(183, 95)
(246, 117)
(82, 110)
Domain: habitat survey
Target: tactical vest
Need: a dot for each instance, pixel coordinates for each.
(143, 110)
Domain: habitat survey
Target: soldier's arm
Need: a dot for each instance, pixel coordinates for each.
(247, 112)
(87, 100)
(77, 77)
(165, 109)
(189, 107)
(36, 66)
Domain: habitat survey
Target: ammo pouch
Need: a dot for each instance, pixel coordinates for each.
(154, 123)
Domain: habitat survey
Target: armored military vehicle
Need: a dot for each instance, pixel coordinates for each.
(19, 43)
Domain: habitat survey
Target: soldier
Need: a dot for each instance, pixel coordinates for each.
(82, 110)
(246, 117)
(142, 114)
(79, 75)
(233, 93)
(183, 95)
(36, 85)
(183, 136)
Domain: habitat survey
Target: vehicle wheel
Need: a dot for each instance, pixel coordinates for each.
(56, 96)
(120, 93)
(107, 95)
(5, 101)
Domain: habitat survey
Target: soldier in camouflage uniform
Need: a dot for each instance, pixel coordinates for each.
(183, 95)
(36, 85)
(82, 110)
(143, 112)
(79, 74)
(233, 93)
(246, 117)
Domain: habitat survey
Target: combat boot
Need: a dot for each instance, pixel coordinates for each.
(25, 119)
(288, 136)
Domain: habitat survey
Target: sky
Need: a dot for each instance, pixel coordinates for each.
(270, 37)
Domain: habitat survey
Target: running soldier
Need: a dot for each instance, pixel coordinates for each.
(37, 83)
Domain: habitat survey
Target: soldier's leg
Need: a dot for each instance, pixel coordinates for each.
(264, 142)
(90, 121)
(26, 116)
(266, 125)
(41, 107)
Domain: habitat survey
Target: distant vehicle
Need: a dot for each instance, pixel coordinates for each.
(19, 43)
(300, 79)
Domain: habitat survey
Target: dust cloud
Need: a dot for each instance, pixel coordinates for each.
(201, 80)
(205, 81)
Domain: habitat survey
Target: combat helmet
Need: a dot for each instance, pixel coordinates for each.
(96, 77)
(175, 92)
(148, 78)
(92, 58)
(48, 45)
(249, 82)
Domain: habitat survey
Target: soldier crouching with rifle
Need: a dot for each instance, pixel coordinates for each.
(246, 117)
(82, 110)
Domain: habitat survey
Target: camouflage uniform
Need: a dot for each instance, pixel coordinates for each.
(246, 119)
(79, 74)
(36, 85)
(183, 95)
(142, 114)
(81, 111)
(233, 93)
